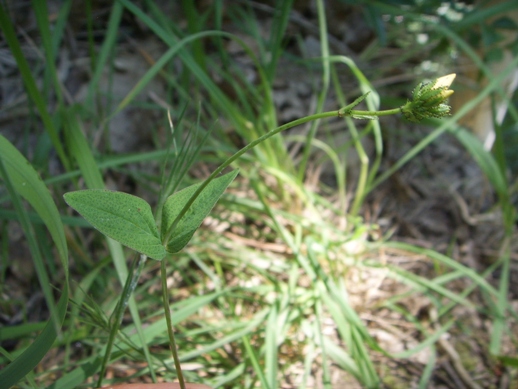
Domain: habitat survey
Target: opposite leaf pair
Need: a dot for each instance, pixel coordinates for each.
(128, 219)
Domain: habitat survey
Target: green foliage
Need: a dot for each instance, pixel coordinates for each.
(22, 180)
(127, 219)
(246, 315)
(177, 236)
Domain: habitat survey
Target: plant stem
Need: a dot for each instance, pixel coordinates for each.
(239, 153)
(170, 332)
(345, 111)
(354, 112)
(116, 319)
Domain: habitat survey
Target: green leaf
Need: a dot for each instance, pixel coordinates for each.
(29, 185)
(198, 210)
(121, 216)
(19, 173)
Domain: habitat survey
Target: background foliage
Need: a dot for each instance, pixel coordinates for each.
(346, 254)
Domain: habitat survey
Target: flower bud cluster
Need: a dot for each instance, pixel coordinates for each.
(428, 100)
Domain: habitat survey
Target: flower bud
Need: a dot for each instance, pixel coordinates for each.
(428, 100)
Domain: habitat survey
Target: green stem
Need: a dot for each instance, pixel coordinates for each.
(170, 332)
(326, 72)
(346, 111)
(238, 154)
(116, 319)
(353, 112)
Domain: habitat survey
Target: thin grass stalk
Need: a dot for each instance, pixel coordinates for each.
(105, 52)
(182, 162)
(193, 27)
(34, 247)
(271, 353)
(324, 44)
(308, 365)
(499, 322)
(364, 177)
(326, 376)
(424, 380)
(170, 331)
(280, 22)
(498, 148)
(116, 318)
(42, 18)
(255, 363)
(30, 84)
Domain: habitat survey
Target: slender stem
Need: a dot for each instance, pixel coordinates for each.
(239, 153)
(353, 112)
(385, 112)
(340, 113)
(326, 72)
(170, 332)
(116, 318)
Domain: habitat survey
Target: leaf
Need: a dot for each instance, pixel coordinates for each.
(199, 209)
(29, 185)
(121, 216)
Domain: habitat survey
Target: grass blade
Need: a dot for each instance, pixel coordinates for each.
(30, 186)
(271, 350)
(250, 352)
(30, 84)
(29, 359)
(106, 49)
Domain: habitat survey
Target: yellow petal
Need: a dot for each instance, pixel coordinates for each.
(447, 93)
(444, 81)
